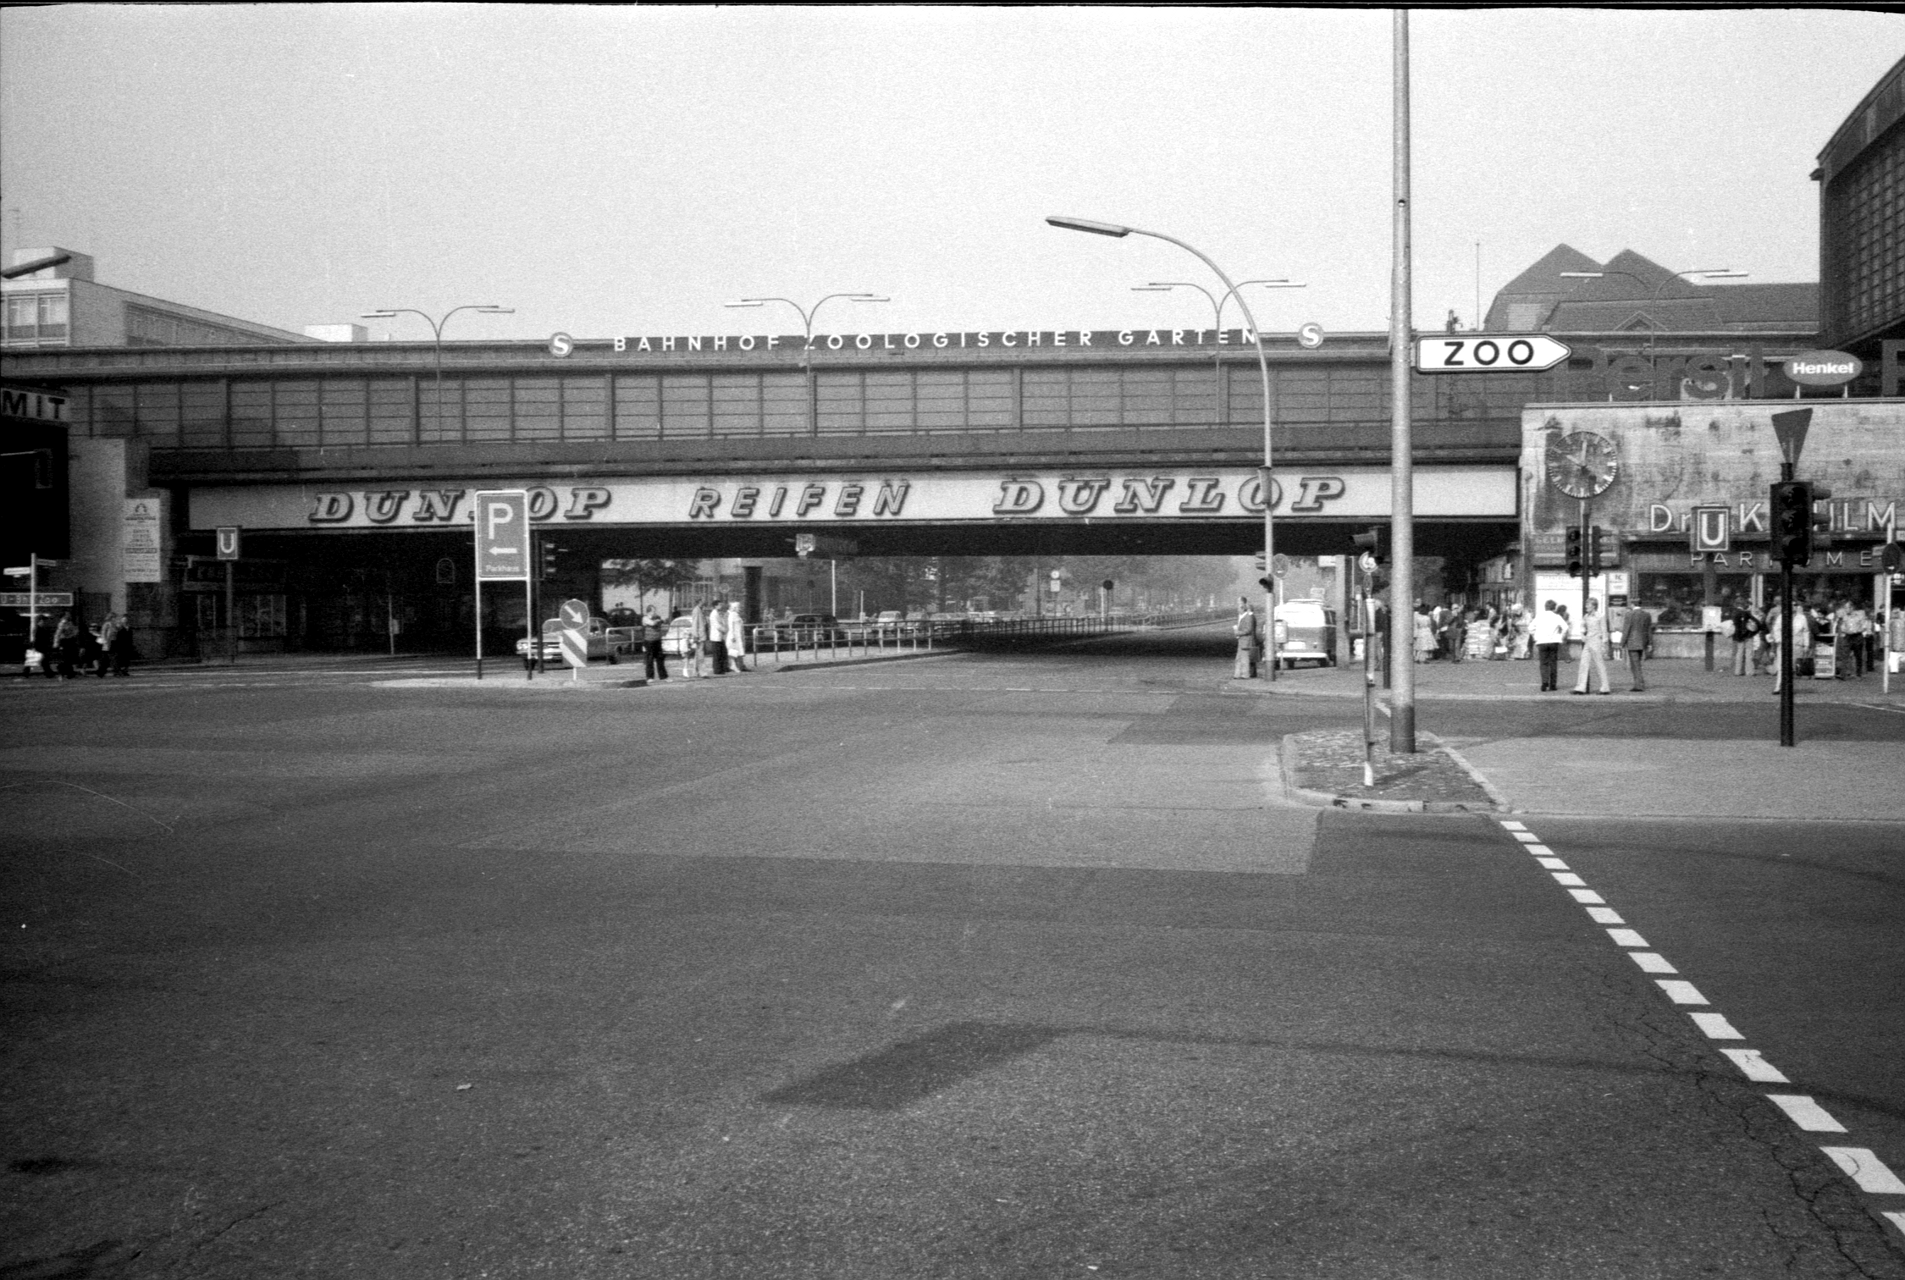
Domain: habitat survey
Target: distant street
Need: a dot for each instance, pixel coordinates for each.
(968, 966)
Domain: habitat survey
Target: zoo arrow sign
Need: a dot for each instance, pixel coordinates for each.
(1490, 353)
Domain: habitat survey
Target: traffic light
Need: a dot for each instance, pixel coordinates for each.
(1577, 563)
(1596, 546)
(1822, 524)
(549, 553)
(1792, 521)
(1369, 541)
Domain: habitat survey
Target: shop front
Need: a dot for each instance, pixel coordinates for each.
(1681, 496)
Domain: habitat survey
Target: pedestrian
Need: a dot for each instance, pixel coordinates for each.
(120, 650)
(1550, 632)
(65, 645)
(108, 632)
(1457, 634)
(1521, 626)
(718, 636)
(1857, 626)
(1245, 629)
(1424, 633)
(1594, 648)
(1802, 640)
(737, 636)
(653, 632)
(697, 640)
(1637, 636)
(1746, 629)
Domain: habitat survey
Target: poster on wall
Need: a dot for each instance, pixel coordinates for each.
(141, 542)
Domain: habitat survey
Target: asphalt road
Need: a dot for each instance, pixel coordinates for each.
(965, 967)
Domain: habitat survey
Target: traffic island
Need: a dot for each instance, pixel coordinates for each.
(1325, 769)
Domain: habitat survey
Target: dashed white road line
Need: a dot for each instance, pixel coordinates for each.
(1805, 1113)
(1859, 1164)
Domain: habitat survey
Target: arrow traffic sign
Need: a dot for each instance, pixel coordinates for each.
(1489, 353)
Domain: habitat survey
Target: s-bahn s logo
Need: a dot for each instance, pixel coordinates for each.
(560, 344)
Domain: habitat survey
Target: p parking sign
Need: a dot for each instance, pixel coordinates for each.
(502, 536)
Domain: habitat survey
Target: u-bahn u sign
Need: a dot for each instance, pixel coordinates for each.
(876, 498)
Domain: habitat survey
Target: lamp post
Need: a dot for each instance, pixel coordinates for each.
(807, 315)
(436, 330)
(1118, 232)
(1217, 306)
(1705, 273)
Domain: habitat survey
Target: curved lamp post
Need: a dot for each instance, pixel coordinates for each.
(436, 330)
(1217, 306)
(1118, 232)
(807, 315)
(1705, 273)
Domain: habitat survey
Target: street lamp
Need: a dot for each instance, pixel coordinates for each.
(1705, 273)
(1217, 305)
(436, 330)
(1118, 232)
(807, 315)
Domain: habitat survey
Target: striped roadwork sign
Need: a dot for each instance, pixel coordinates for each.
(575, 647)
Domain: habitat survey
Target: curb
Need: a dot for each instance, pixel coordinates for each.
(1359, 804)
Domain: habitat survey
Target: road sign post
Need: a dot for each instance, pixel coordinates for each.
(502, 553)
(227, 547)
(574, 615)
(1489, 353)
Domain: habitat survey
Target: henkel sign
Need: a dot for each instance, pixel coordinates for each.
(1111, 494)
(502, 536)
(1823, 368)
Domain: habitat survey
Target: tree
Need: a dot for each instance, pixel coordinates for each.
(649, 575)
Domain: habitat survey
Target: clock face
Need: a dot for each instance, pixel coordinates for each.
(1582, 465)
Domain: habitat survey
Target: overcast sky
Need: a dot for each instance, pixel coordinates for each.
(613, 171)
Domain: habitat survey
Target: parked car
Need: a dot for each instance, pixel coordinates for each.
(1306, 632)
(597, 633)
(805, 628)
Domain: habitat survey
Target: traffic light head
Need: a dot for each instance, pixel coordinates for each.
(1597, 547)
(1792, 521)
(549, 552)
(1577, 553)
(1369, 540)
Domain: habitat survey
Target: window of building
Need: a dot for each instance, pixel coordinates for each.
(37, 318)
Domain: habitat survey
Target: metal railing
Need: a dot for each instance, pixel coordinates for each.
(785, 642)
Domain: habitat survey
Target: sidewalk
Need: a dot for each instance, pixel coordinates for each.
(627, 674)
(1827, 779)
(1668, 680)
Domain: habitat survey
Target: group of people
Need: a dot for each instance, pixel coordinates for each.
(1757, 635)
(716, 632)
(66, 648)
(1630, 633)
(1486, 634)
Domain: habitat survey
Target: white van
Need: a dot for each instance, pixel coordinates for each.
(1306, 632)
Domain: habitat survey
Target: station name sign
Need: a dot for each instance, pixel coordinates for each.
(979, 340)
(840, 498)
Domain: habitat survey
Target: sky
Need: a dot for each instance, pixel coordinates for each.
(614, 171)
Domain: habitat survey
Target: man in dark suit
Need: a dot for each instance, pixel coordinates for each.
(1637, 632)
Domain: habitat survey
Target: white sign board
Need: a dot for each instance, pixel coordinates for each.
(142, 541)
(502, 536)
(1489, 353)
(1111, 495)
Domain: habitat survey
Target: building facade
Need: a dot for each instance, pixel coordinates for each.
(1861, 178)
(61, 305)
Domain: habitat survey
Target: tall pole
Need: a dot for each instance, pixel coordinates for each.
(1402, 693)
(1786, 663)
